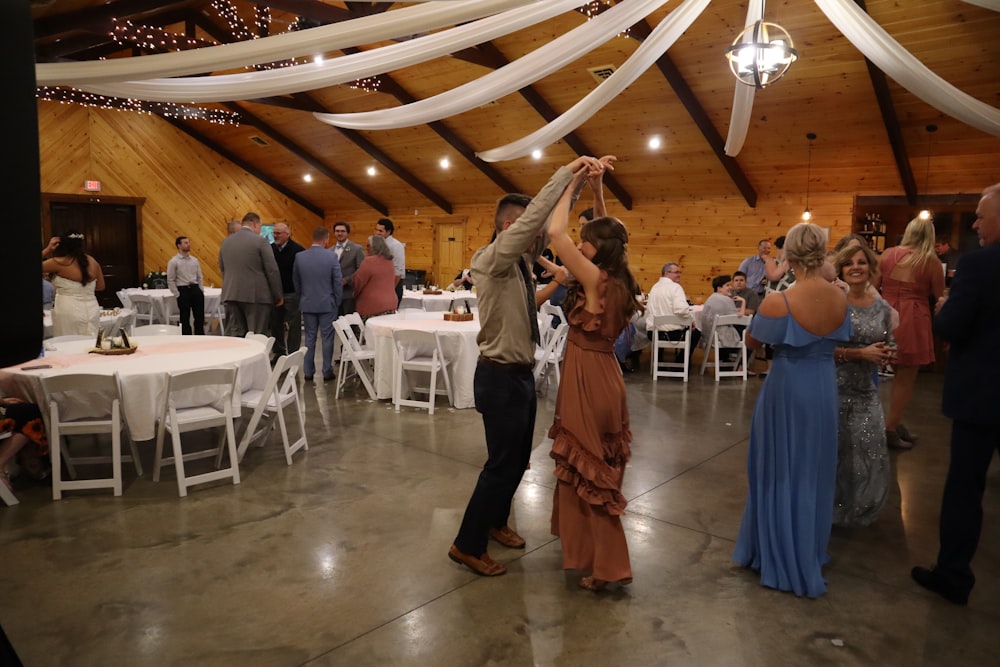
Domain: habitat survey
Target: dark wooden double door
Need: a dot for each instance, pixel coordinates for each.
(111, 230)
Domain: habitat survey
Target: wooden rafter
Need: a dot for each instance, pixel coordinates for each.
(665, 63)
(891, 123)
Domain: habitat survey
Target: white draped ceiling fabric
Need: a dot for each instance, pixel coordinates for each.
(126, 77)
(660, 39)
(508, 79)
(344, 69)
(743, 96)
(890, 57)
(388, 25)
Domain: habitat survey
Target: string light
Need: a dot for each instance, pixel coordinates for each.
(165, 109)
(595, 8)
(371, 84)
(150, 38)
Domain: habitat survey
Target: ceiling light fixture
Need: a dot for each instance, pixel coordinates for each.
(762, 53)
(445, 163)
(537, 154)
(371, 171)
(655, 143)
(807, 214)
(925, 214)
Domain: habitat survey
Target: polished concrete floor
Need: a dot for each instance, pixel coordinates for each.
(340, 559)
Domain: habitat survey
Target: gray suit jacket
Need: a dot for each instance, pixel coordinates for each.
(249, 272)
(350, 259)
(317, 280)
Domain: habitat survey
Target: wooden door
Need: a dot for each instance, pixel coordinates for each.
(110, 227)
(450, 252)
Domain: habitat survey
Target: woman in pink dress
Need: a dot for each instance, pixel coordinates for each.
(375, 281)
(590, 432)
(911, 277)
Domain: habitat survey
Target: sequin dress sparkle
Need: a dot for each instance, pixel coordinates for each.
(862, 456)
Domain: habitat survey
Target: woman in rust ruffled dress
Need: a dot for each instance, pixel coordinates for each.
(591, 429)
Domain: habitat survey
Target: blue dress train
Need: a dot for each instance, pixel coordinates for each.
(792, 462)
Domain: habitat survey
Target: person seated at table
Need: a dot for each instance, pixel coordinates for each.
(375, 281)
(463, 280)
(722, 302)
(24, 422)
(48, 294)
(76, 276)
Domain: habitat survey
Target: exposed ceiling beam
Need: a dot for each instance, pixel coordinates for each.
(99, 19)
(641, 31)
(306, 157)
(538, 103)
(242, 164)
(891, 122)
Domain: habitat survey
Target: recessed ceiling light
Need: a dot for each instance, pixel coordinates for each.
(445, 163)
(308, 178)
(537, 154)
(371, 171)
(318, 59)
(655, 142)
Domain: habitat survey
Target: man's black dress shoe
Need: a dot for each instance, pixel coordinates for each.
(329, 378)
(308, 378)
(933, 581)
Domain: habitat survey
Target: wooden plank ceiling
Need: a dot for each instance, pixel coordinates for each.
(861, 147)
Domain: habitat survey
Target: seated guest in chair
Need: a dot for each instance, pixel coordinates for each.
(27, 441)
(722, 303)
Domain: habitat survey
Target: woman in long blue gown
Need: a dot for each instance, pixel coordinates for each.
(792, 462)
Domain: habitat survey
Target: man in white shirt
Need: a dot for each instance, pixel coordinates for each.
(667, 298)
(184, 282)
(386, 229)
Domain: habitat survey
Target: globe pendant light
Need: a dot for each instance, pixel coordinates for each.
(806, 214)
(761, 54)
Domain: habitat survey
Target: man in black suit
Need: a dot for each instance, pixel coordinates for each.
(969, 319)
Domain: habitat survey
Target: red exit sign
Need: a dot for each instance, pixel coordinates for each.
(92, 186)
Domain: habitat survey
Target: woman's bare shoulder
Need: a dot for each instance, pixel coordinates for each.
(773, 305)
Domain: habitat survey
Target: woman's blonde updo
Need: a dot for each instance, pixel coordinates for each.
(805, 245)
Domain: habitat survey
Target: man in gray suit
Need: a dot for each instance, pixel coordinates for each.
(318, 283)
(251, 284)
(351, 255)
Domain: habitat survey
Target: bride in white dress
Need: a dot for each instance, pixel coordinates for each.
(76, 276)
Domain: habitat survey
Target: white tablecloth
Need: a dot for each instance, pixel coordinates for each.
(458, 343)
(165, 303)
(143, 375)
(437, 303)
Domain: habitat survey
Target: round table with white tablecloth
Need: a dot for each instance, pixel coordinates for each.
(165, 303)
(142, 376)
(458, 344)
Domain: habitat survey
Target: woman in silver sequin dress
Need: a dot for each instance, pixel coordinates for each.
(863, 459)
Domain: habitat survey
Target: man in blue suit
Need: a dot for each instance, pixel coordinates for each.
(317, 279)
(969, 319)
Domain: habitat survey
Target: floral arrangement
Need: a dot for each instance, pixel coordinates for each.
(155, 280)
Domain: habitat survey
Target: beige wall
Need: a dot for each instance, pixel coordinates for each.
(190, 190)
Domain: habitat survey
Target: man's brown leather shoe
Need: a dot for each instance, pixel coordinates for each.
(507, 537)
(484, 565)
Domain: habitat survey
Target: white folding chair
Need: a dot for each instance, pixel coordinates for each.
(157, 330)
(217, 314)
(268, 342)
(142, 304)
(211, 389)
(354, 319)
(549, 356)
(123, 298)
(664, 367)
(173, 312)
(281, 391)
(85, 404)
(723, 368)
(354, 359)
(125, 322)
(547, 326)
(6, 495)
(418, 351)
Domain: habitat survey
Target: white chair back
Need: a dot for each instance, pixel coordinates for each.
(142, 304)
(550, 317)
(354, 359)
(665, 368)
(268, 342)
(85, 404)
(281, 390)
(419, 351)
(6, 495)
(196, 400)
(722, 367)
(124, 298)
(549, 356)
